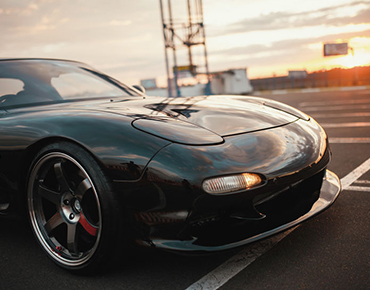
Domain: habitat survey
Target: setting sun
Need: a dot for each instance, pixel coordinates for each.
(350, 61)
(359, 56)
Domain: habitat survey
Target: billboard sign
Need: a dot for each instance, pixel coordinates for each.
(185, 71)
(335, 49)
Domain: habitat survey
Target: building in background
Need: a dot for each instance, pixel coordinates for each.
(149, 84)
(230, 82)
(297, 74)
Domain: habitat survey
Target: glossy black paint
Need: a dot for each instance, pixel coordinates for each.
(178, 171)
(157, 152)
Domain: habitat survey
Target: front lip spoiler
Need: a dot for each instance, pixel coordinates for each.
(330, 190)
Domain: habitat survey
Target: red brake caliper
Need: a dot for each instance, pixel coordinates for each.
(92, 230)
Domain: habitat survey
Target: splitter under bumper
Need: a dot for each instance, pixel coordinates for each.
(329, 192)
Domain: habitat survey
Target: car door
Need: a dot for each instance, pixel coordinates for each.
(4, 181)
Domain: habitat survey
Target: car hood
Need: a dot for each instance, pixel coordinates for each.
(203, 120)
(223, 115)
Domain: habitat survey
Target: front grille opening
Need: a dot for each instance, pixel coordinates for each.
(283, 208)
(295, 201)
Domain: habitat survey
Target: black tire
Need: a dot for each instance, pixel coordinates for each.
(73, 211)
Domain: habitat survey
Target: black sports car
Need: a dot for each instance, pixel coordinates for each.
(98, 165)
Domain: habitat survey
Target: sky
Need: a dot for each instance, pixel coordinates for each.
(125, 38)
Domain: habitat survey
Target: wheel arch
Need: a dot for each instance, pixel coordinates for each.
(30, 153)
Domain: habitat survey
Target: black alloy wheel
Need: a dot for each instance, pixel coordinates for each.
(73, 212)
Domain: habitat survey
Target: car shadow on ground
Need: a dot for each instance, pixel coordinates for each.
(23, 260)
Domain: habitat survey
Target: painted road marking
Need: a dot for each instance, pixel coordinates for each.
(226, 271)
(358, 188)
(279, 92)
(362, 182)
(355, 174)
(365, 186)
(336, 108)
(237, 263)
(331, 103)
(340, 140)
(354, 88)
(345, 115)
(314, 90)
(343, 125)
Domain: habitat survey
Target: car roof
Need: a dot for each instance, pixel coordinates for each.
(36, 58)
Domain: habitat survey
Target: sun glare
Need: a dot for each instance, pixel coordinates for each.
(350, 61)
(360, 54)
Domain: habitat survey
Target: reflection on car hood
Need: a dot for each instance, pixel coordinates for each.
(223, 115)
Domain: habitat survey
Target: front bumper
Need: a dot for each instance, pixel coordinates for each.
(330, 190)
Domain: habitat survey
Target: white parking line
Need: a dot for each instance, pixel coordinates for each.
(343, 125)
(355, 174)
(362, 182)
(237, 263)
(358, 188)
(344, 115)
(279, 92)
(226, 271)
(336, 108)
(354, 88)
(341, 140)
(331, 103)
(365, 186)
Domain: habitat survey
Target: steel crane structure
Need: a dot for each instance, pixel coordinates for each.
(188, 34)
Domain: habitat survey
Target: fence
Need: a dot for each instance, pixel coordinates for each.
(357, 76)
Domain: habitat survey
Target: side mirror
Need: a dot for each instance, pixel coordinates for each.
(139, 88)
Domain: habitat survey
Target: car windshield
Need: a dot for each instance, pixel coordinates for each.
(29, 82)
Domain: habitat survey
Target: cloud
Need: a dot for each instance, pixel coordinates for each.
(120, 22)
(286, 46)
(280, 56)
(330, 16)
(125, 37)
(84, 25)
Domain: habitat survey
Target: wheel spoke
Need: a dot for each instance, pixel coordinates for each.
(72, 238)
(53, 222)
(91, 229)
(49, 194)
(82, 188)
(61, 177)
